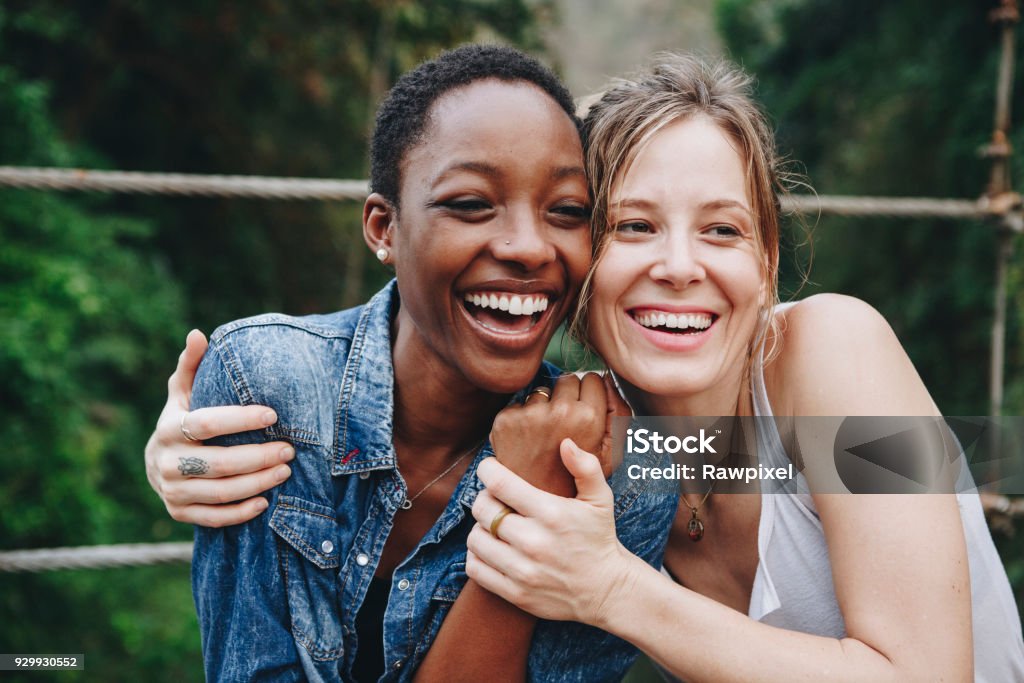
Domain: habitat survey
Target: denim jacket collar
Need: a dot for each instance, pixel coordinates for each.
(362, 439)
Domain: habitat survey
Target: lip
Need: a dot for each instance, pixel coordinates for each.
(667, 341)
(515, 287)
(670, 308)
(512, 342)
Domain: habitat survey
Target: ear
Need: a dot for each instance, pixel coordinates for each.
(380, 218)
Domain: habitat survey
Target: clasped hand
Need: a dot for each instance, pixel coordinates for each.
(556, 557)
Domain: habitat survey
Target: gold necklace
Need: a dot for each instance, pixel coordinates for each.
(695, 527)
(407, 503)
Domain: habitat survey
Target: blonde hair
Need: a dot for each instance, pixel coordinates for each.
(633, 110)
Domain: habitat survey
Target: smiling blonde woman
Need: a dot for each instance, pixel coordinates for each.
(681, 305)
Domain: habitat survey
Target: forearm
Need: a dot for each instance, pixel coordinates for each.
(482, 638)
(698, 639)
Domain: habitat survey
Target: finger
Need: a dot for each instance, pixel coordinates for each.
(617, 406)
(567, 389)
(180, 383)
(486, 508)
(490, 578)
(586, 470)
(540, 393)
(213, 462)
(184, 492)
(507, 487)
(216, 516)
(592, 391)
(494, 553)
(206, 423)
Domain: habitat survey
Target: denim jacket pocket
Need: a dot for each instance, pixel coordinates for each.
(309, 561)
(451, 583)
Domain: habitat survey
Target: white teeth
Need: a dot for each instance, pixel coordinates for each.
(681, 321)
(513, 304)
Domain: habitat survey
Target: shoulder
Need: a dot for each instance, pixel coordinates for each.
(340, 324)
(836, 355)
(291, 364)
(832, 318)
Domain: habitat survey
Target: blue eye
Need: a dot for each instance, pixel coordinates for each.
(724, 231)
(633, 227)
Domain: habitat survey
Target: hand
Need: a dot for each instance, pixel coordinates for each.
(554, 557)
(526, 437)
(197, 482)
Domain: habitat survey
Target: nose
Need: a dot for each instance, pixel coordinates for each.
(524, 239)
(678, 262)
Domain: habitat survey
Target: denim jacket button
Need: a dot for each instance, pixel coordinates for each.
(327, 547)
(364, 475)
(398, 665)
(403, 585)
(362, 559)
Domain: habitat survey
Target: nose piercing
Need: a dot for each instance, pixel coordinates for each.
(508, 241)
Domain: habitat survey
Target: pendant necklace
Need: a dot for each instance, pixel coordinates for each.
(407, 503)
(695, 527)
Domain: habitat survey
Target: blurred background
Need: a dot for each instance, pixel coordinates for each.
(98, 291)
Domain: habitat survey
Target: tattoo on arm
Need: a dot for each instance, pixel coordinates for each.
(191, 467)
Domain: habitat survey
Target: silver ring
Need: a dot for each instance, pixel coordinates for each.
(184, 430)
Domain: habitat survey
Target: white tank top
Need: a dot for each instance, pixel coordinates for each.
(793, 585)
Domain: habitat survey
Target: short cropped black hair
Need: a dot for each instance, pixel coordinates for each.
(402, 116)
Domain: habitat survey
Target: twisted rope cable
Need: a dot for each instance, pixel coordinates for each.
(886, 206)
(260, 187)
(94, 557)
(182, 184)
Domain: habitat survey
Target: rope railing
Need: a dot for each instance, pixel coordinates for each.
(94, 557)
(1001, 511)
(252, 187)
(320, 189)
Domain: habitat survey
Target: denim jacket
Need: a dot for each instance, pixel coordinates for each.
(277, 596)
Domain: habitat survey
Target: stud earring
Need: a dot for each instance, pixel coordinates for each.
(382, 255)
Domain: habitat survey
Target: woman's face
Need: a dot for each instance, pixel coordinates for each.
(492, 240)
(676, 294)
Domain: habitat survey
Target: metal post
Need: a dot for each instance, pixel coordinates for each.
(1007, 16)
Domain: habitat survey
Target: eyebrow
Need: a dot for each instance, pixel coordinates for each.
(485, 169)
(478, 167)
(636, 203)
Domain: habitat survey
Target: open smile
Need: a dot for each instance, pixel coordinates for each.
(514, 320)
(674, 330)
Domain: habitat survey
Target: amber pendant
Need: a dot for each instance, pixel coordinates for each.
(695, 529)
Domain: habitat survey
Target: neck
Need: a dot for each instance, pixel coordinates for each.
(438, 413)
(731, 396)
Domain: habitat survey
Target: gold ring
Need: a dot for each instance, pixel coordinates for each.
(184, 430)
(498, 519)
(539, 391)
